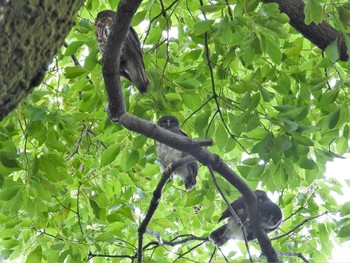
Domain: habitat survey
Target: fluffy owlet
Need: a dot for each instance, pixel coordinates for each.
(131, 61)
(270, 217)
(167, 155)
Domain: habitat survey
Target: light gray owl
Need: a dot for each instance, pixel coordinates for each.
(131, 61)
(270, 217)
(167, 155)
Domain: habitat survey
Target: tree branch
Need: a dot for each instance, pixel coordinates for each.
(118, 114)
(156, 198)
(321, 35)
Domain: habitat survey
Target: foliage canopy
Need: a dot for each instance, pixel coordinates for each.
(74, 184)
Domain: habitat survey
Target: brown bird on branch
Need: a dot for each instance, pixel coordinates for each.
(270, 217)
(167, 155)
(132, 66)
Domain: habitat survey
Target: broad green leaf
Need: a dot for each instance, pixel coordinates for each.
(313, 12)
(202, 26)
(132, 159)
(73, 47)
(345, 210)
(302, 139)
(202, 121)
(212, 8)
(190, 83)
(344, 231)
(110, 154)
(332, 51)
(35, 256)
(221, 136)
(255, 172)
(73, 72)
(8, 193)
(333, 119)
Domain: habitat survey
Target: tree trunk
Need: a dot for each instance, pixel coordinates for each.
(31, 33)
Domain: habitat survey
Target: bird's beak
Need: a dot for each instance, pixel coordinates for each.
(168, 123)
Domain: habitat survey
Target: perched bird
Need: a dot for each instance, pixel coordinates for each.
(131, 60)
(270, 217)
(167, 155)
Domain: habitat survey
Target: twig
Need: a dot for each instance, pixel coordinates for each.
(302, 223)
(299, 255)
(92, 255)
(78, 210)
(188, 251)
(223, 255)
(156, 198)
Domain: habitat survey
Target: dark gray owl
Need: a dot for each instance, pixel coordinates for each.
(167, 155)
(270, 217)
(131, 61)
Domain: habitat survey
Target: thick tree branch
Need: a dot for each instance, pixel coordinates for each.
(117, 112)
(31, 33)
(321, 35)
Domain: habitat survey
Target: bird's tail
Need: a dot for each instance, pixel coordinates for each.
(136, 73)
(190, 182)
(218, 236)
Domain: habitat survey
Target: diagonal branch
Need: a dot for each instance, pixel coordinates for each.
(117, 112)
(156, 198)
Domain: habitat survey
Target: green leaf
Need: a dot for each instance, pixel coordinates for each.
(344, 231)
(49, 167)
(189, 83)
(333, 119)
(255, 172)
(73, 47)
(332, 51)
(201, 121)
(290, 126)
(221, 136)
(8, 193)
(313, 12)
(105, 237)
(202, 26)
(194, 198)
(306, 163)
(90, 61)
(132, 159)
(255, 101)
(110, 154)
(35, 256)
(280, 177)
(283, 83)
(345, 210)
(267, 96)
(212, 8)
(302, 139)
(73, 72)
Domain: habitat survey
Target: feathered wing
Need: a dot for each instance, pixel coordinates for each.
(232, 229)
(189, 171)
(218, 236)
(132, 65)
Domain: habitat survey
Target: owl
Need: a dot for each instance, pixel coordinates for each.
(167, 155)
(131, 60)
(270, 217)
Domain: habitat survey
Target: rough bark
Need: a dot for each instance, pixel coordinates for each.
(321, 34)
(31, 33)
